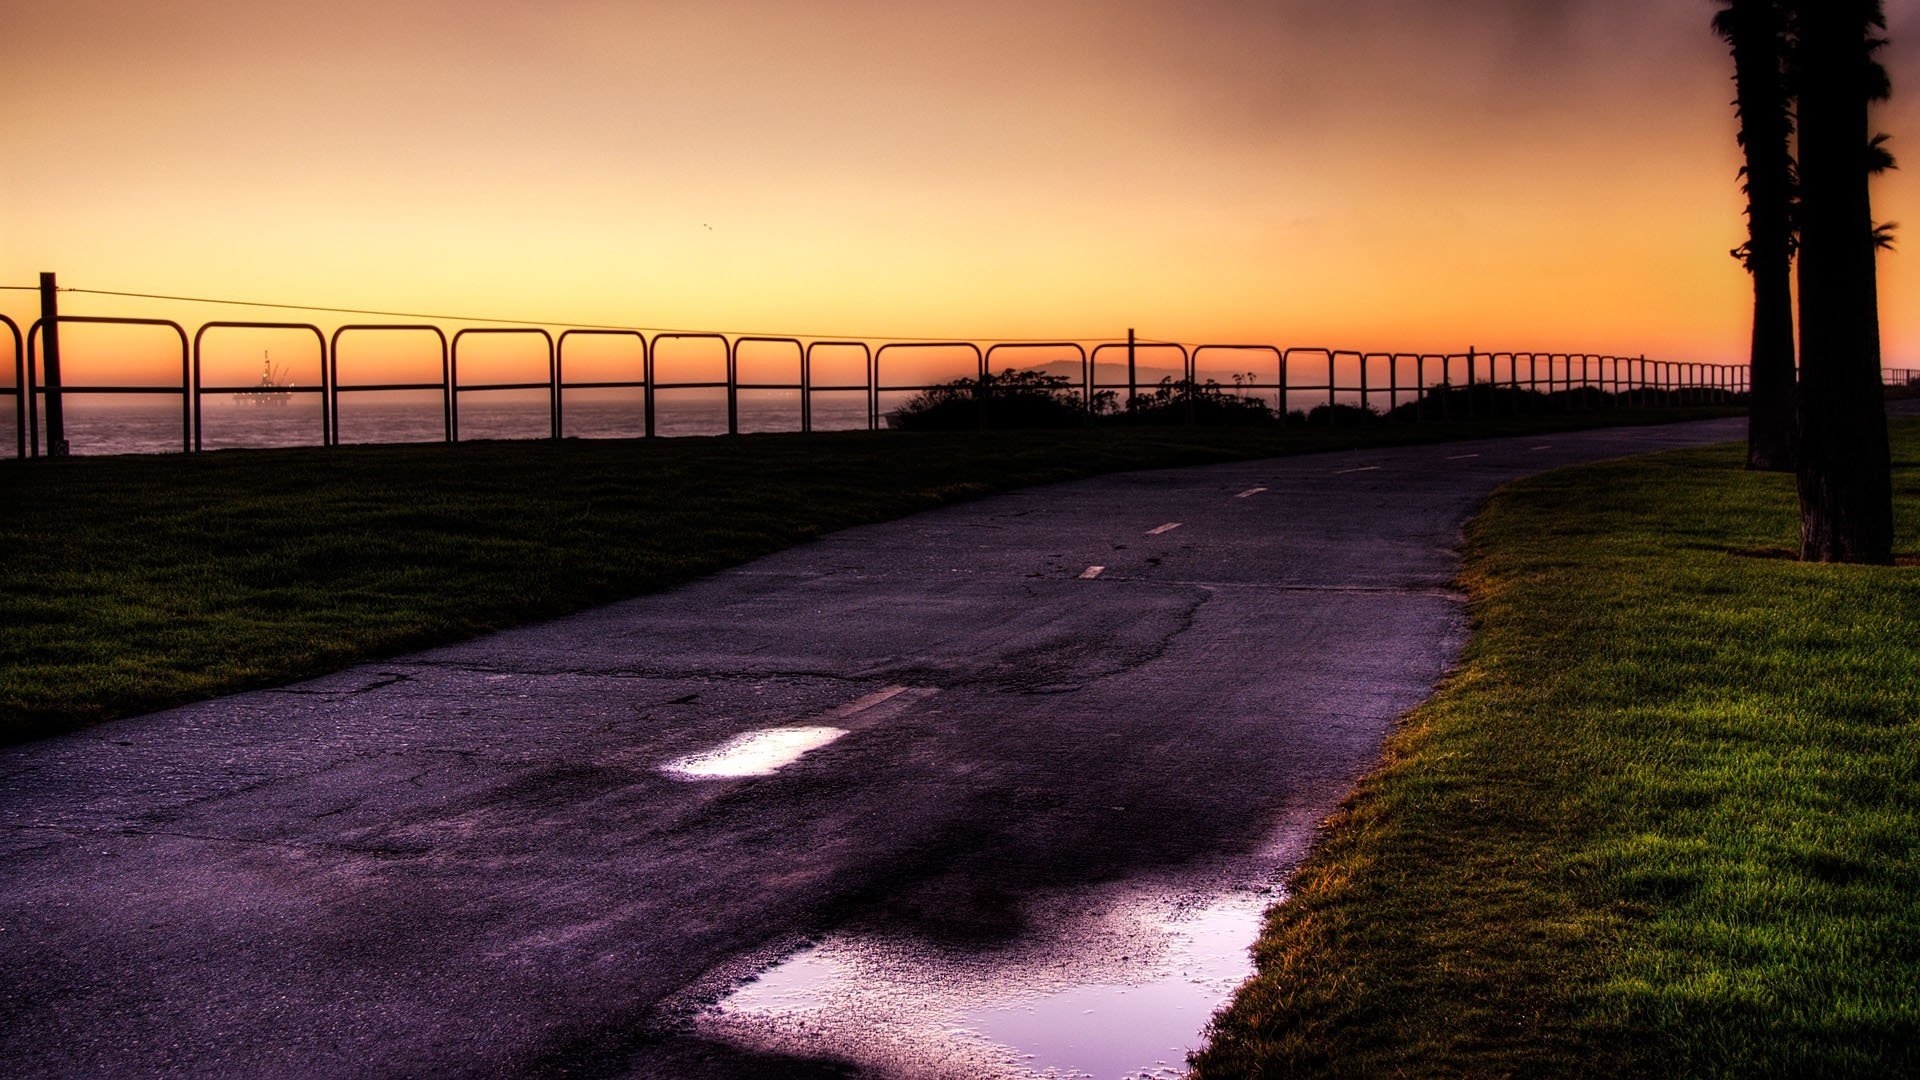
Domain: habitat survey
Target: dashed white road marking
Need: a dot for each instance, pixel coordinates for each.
(1541, 448)
(1462, 457)
(863, 703)
(768, 750)
(1364, 468)
(1092, 572)
(1249, 493)
(1167, 528)
(756, 753)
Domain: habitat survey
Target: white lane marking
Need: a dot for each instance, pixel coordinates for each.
(1462, 457)
(1366, 468)
(1542, 448)
(1249, 493)
(1167, 528)
(768, 750)
(862, 704)
(756, 753)
(1092, 572)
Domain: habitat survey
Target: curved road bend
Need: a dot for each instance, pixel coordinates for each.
(468, 862)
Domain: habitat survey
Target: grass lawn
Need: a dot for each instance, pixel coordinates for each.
(1664, 820)
(133, 583)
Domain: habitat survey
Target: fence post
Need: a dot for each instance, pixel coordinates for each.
(1333, 387)
(1473, 361)
(1283, 387)
(50, 354)
(1133, 374)
(1191, 373)
(983, 392)
(733, 388)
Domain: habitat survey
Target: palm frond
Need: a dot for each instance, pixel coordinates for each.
(1879, 158)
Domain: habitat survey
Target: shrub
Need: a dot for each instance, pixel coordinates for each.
(1012, 399)
(1204, 403)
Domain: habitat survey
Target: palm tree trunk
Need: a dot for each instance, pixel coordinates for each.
(1844, 468)
(1757, 32)
(1771, 420)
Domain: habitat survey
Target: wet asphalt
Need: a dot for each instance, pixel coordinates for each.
(467, 862)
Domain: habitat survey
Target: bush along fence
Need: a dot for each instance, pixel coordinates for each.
(1112, 380)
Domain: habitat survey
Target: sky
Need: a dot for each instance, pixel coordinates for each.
(1363, 174)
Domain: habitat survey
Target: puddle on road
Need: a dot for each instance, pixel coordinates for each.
(756, 753)
(1127, 997)
(1121, 1029)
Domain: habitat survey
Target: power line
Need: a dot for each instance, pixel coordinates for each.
(1141, 342)
(559, 323)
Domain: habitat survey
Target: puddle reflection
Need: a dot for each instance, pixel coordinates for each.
(1136, 1029)
(1132, 1015)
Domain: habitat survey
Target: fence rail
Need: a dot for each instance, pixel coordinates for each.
(1291, 377)
(22, 396)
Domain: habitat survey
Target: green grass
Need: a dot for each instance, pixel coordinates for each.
(129, 584)
(1664, 820)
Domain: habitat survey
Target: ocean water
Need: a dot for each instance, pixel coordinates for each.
(153, 424)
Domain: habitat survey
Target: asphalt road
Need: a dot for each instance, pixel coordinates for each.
(469, 862)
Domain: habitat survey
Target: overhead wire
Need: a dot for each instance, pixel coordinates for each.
(571, 325)
(1089, 339)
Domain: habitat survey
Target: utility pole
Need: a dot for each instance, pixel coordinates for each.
(50, 352)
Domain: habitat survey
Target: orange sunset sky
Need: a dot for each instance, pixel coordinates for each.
(1377, 174)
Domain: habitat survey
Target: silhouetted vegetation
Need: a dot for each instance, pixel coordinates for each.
(1026, 399)
(1341, 414)
(1032, 399)
(1012, 399)
(1809, 65)
(1448, 402)
(1184, 401)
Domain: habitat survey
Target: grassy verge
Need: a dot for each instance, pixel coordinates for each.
(1664, 820)
(134, 583)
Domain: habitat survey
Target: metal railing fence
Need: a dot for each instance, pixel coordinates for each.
(1343, 382)
(35, 392)
(201, 390)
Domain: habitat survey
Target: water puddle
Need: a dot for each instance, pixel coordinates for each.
(1125, 1029)
(756, 753)
(1128, 994)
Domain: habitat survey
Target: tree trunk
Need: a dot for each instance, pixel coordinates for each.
(1757, 32)
(1770, 400)
(1844, 469)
